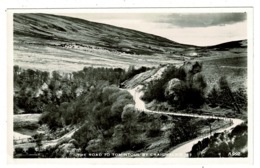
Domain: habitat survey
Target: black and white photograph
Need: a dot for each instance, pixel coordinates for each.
(134, 84)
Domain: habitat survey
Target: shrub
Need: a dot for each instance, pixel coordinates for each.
(213, 97)
(222, 144)
(117, 107)
(129, 114)
(31, 150)
(154, 129)
(19, 150)
(127, 141)
(238, 130)
(84, 135)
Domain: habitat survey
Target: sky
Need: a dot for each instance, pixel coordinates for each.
(201, 29)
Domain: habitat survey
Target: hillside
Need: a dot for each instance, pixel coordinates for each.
(43, 39)
(62, 42)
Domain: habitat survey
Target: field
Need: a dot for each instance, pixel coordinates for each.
(73, 59)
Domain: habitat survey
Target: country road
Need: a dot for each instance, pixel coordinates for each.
(52, 143)
(182, 150)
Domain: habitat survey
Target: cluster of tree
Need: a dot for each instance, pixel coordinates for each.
(130, 131)
(26, 84)
(28, 77)
(224, 97)
(133, 133)
(224, 144)
(29, 153)
(155, 89)
(91, 98)
(187, 128)
(100, 111)
(184, 87)
(114, 125)
(108, 117)
(100, 105)
(34, 89)
(109, 121)
(180, 87)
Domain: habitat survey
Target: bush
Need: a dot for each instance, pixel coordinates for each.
(183, 130)
(84, 135)
(129, 114)
(240, 142)
(154, 130)
(19, 150)
(126, 142)
(212, 98)
(117, 107)
(223, 144)
(31, 150)
(239, 130)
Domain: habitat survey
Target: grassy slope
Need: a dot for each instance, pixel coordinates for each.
(41, 39)
(69, 44)
(235, 69)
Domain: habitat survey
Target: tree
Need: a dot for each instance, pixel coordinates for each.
(223, 149)
(226, 91)
(16, 72)
(45, 76)
(213, 97)
(129, 115)
(38, 140)
(117, 107)
(55, 75)
(19, 150)
(31, 150)
(199, 82)
(154, 128)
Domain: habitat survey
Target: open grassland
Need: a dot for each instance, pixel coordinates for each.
(49, 58)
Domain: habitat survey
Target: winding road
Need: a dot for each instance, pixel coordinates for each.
(182, 150)
(52, 143)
